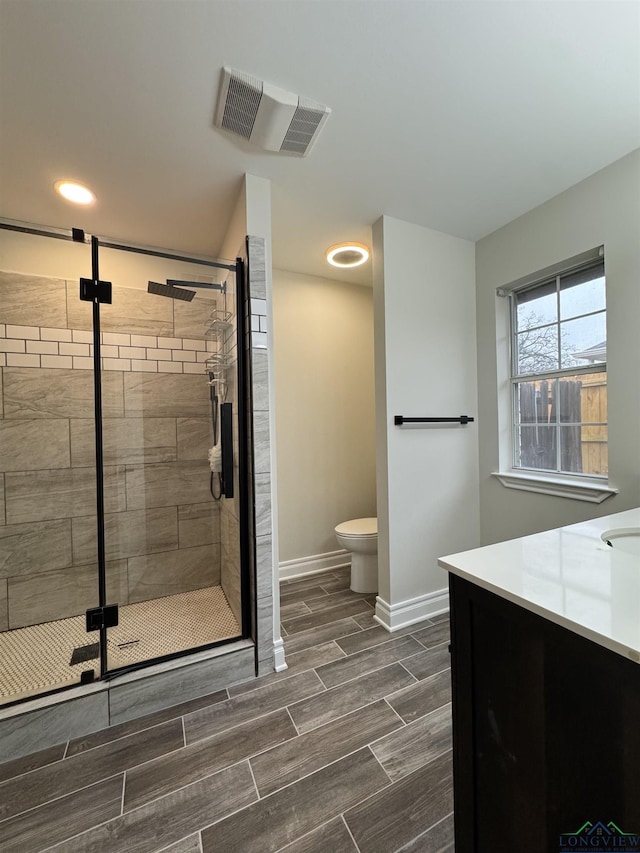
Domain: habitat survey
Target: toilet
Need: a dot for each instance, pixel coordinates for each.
(360, 536)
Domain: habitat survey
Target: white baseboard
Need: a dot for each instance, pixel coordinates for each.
(395, 616)
(314, 565)
(279, 663)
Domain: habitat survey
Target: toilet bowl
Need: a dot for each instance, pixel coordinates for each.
(360, 537)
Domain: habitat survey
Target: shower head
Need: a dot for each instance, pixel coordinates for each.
(170, 291)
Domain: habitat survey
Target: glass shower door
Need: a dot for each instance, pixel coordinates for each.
(171, 527)
(48, 575)
(133, 508)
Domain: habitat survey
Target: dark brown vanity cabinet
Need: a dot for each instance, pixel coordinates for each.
(546, 732)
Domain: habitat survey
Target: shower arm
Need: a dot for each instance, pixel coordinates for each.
(199, 284)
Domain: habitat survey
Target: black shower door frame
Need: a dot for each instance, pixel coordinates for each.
(98, 292)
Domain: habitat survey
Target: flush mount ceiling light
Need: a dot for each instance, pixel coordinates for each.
(74, 192)
(347, 255)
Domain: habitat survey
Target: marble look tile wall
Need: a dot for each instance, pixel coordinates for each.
(156, 575)
(23, 546)
(64, 592)
(139, 313)
(230, 559)
(194, 437)
(198, 524)
(262, 500)
(261, 452)
(4, 609)
(52, 724)
(131, 699)
(61, 493)
(133, 533)
(131, 441)
(33, 300)
(260, 370)
(30, 445)
(162, 528)
(255, 313)
(154, 395)
(168, 484)
(56, 393)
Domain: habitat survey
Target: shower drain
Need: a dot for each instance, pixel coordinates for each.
(84, 653)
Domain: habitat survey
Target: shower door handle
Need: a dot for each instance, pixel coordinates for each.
(226, 446)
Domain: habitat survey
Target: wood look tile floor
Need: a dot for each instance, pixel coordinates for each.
(347, 751)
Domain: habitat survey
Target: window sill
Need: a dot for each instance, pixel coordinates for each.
(591, 491)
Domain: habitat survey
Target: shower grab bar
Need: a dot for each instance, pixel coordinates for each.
(461, 419)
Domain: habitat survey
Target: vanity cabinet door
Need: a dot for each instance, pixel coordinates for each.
(546, 728)
(498, 719)
(592, 748)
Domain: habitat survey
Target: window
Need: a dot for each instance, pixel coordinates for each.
(559, 373)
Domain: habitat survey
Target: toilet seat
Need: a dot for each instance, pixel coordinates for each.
(358, 527)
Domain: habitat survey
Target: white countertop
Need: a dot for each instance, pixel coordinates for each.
(569, 576)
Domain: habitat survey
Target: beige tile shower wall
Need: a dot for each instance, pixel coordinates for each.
(4, 610)
(162, 527)
(230, 558)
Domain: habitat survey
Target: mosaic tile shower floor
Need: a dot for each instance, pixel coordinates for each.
(37, 658)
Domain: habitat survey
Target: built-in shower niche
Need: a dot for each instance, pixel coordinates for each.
(165, 535)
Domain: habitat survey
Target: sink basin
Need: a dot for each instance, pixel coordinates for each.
(623, 539)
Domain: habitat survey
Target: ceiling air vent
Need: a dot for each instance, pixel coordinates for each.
(269, 117)
(305, 124)
(240, 106)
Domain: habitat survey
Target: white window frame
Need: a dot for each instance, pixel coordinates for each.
(594, 489)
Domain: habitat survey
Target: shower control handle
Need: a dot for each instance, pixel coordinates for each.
(226, 446)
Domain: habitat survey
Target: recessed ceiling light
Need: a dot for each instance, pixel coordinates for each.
(74, 192)
(348, 254)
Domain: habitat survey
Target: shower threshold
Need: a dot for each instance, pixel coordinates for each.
(37, 659)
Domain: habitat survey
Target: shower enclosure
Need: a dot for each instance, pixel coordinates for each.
(125, 527)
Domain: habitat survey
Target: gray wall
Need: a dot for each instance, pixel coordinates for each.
(602, 210)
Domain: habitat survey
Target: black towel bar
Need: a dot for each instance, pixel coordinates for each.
(461, 419)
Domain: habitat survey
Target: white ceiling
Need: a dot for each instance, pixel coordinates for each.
(459, 116)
